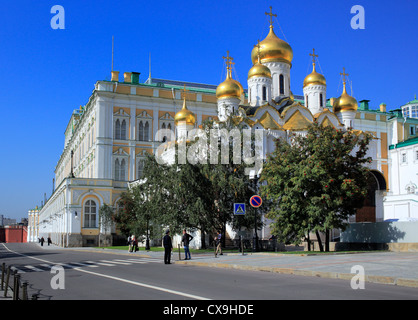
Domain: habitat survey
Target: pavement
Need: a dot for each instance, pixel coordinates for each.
(384, 267)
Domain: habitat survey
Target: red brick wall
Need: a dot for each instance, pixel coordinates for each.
(16, 234)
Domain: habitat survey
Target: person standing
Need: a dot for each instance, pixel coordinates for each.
(218, 240)
(168, 247)
(186, 240)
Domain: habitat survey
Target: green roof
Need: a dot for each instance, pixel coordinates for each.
(404, 143)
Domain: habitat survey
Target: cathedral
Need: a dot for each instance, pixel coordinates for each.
(107, 139)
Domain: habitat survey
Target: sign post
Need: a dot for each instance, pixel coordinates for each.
(255, 202)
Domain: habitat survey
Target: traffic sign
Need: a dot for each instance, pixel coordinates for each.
(239, 208)
(256, 201)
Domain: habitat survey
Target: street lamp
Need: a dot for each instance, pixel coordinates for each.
(255, 178)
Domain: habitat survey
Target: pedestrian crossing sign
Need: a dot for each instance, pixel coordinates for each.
(239, 208)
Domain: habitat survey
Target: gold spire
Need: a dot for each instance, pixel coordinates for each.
(230, 87)
(345, 102)
(271, 14)
(272, 48)
(185, 115)
(314, 77)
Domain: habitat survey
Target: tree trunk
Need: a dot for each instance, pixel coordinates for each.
(321, 248)
(327, 240)
(309, 242)
(202, 239)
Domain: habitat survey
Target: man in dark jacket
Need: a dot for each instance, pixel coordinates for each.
(168, 247)
(186, 240)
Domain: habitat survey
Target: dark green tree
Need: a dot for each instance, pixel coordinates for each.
(316, 182)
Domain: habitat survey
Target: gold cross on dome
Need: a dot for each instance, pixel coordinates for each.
(229, 64)
(314, 56)
(344, 74)
(258, 46)
(184, 91)
(271, 14)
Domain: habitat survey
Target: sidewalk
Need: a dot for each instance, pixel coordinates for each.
(395, 268)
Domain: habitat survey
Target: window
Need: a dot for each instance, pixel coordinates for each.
(403, 157)
(120, 129)
(140, 168)
(281, 83)
(264, 93)
(416, 155)
(414, 111)
(412, 130)
(321, 100)
(120, 166)
(90, 211)
(143, 131)
(307, 101)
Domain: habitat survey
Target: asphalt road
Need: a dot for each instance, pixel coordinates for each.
(107, 276)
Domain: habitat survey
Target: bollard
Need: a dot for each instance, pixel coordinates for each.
(7, 282)
(16, 286)
(3, 270)
(25, 291)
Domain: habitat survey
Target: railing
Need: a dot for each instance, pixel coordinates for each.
(18, 288)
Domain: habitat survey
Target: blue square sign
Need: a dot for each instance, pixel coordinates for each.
(239, 208)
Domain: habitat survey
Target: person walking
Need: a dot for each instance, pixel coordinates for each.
(168, 247)
(218, 239)
(129, 244)
(49, 241)
(42, 241)
(186, 240)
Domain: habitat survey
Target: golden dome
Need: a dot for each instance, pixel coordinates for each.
(345, 102)
(273, 49)
(185, 115)
(314, 78)
(259, 70)
(229, 88)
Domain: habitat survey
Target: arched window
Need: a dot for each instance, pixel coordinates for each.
(264, 93)
(117, 129)
(141, 131)
(307, 101)
(123, 130)
(120, 167)
(146, 131)
(321, 100)
(281, 84)
(140, 169)
(90, 214)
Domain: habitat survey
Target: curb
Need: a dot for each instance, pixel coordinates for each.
(309, 273)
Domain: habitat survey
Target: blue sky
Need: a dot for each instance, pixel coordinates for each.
(47, 73)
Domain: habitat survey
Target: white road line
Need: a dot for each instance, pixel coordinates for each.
(34, 268)
(113, 261)
(101, 263)
(17, 270)
(145, 259)
(84, 265)
(46, 265)
(187, 295)
(141, 262)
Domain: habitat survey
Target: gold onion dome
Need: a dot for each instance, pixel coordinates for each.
(345, 102)
(314, 78)
(230, 88)
(273, 49)
(259, 70)
(185, 115)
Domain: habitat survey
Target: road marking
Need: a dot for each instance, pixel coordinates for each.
(179, 293)
(145, 259)
(84, 265)
(113, 261)
(17, 270)
(34, 268)
(102, 263)
(131, 261)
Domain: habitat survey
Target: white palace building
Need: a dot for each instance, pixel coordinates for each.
(107, 139)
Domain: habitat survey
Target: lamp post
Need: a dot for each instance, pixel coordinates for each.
(255, 237)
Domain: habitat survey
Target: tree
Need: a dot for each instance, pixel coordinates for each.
(317, 181)
(105, 218)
